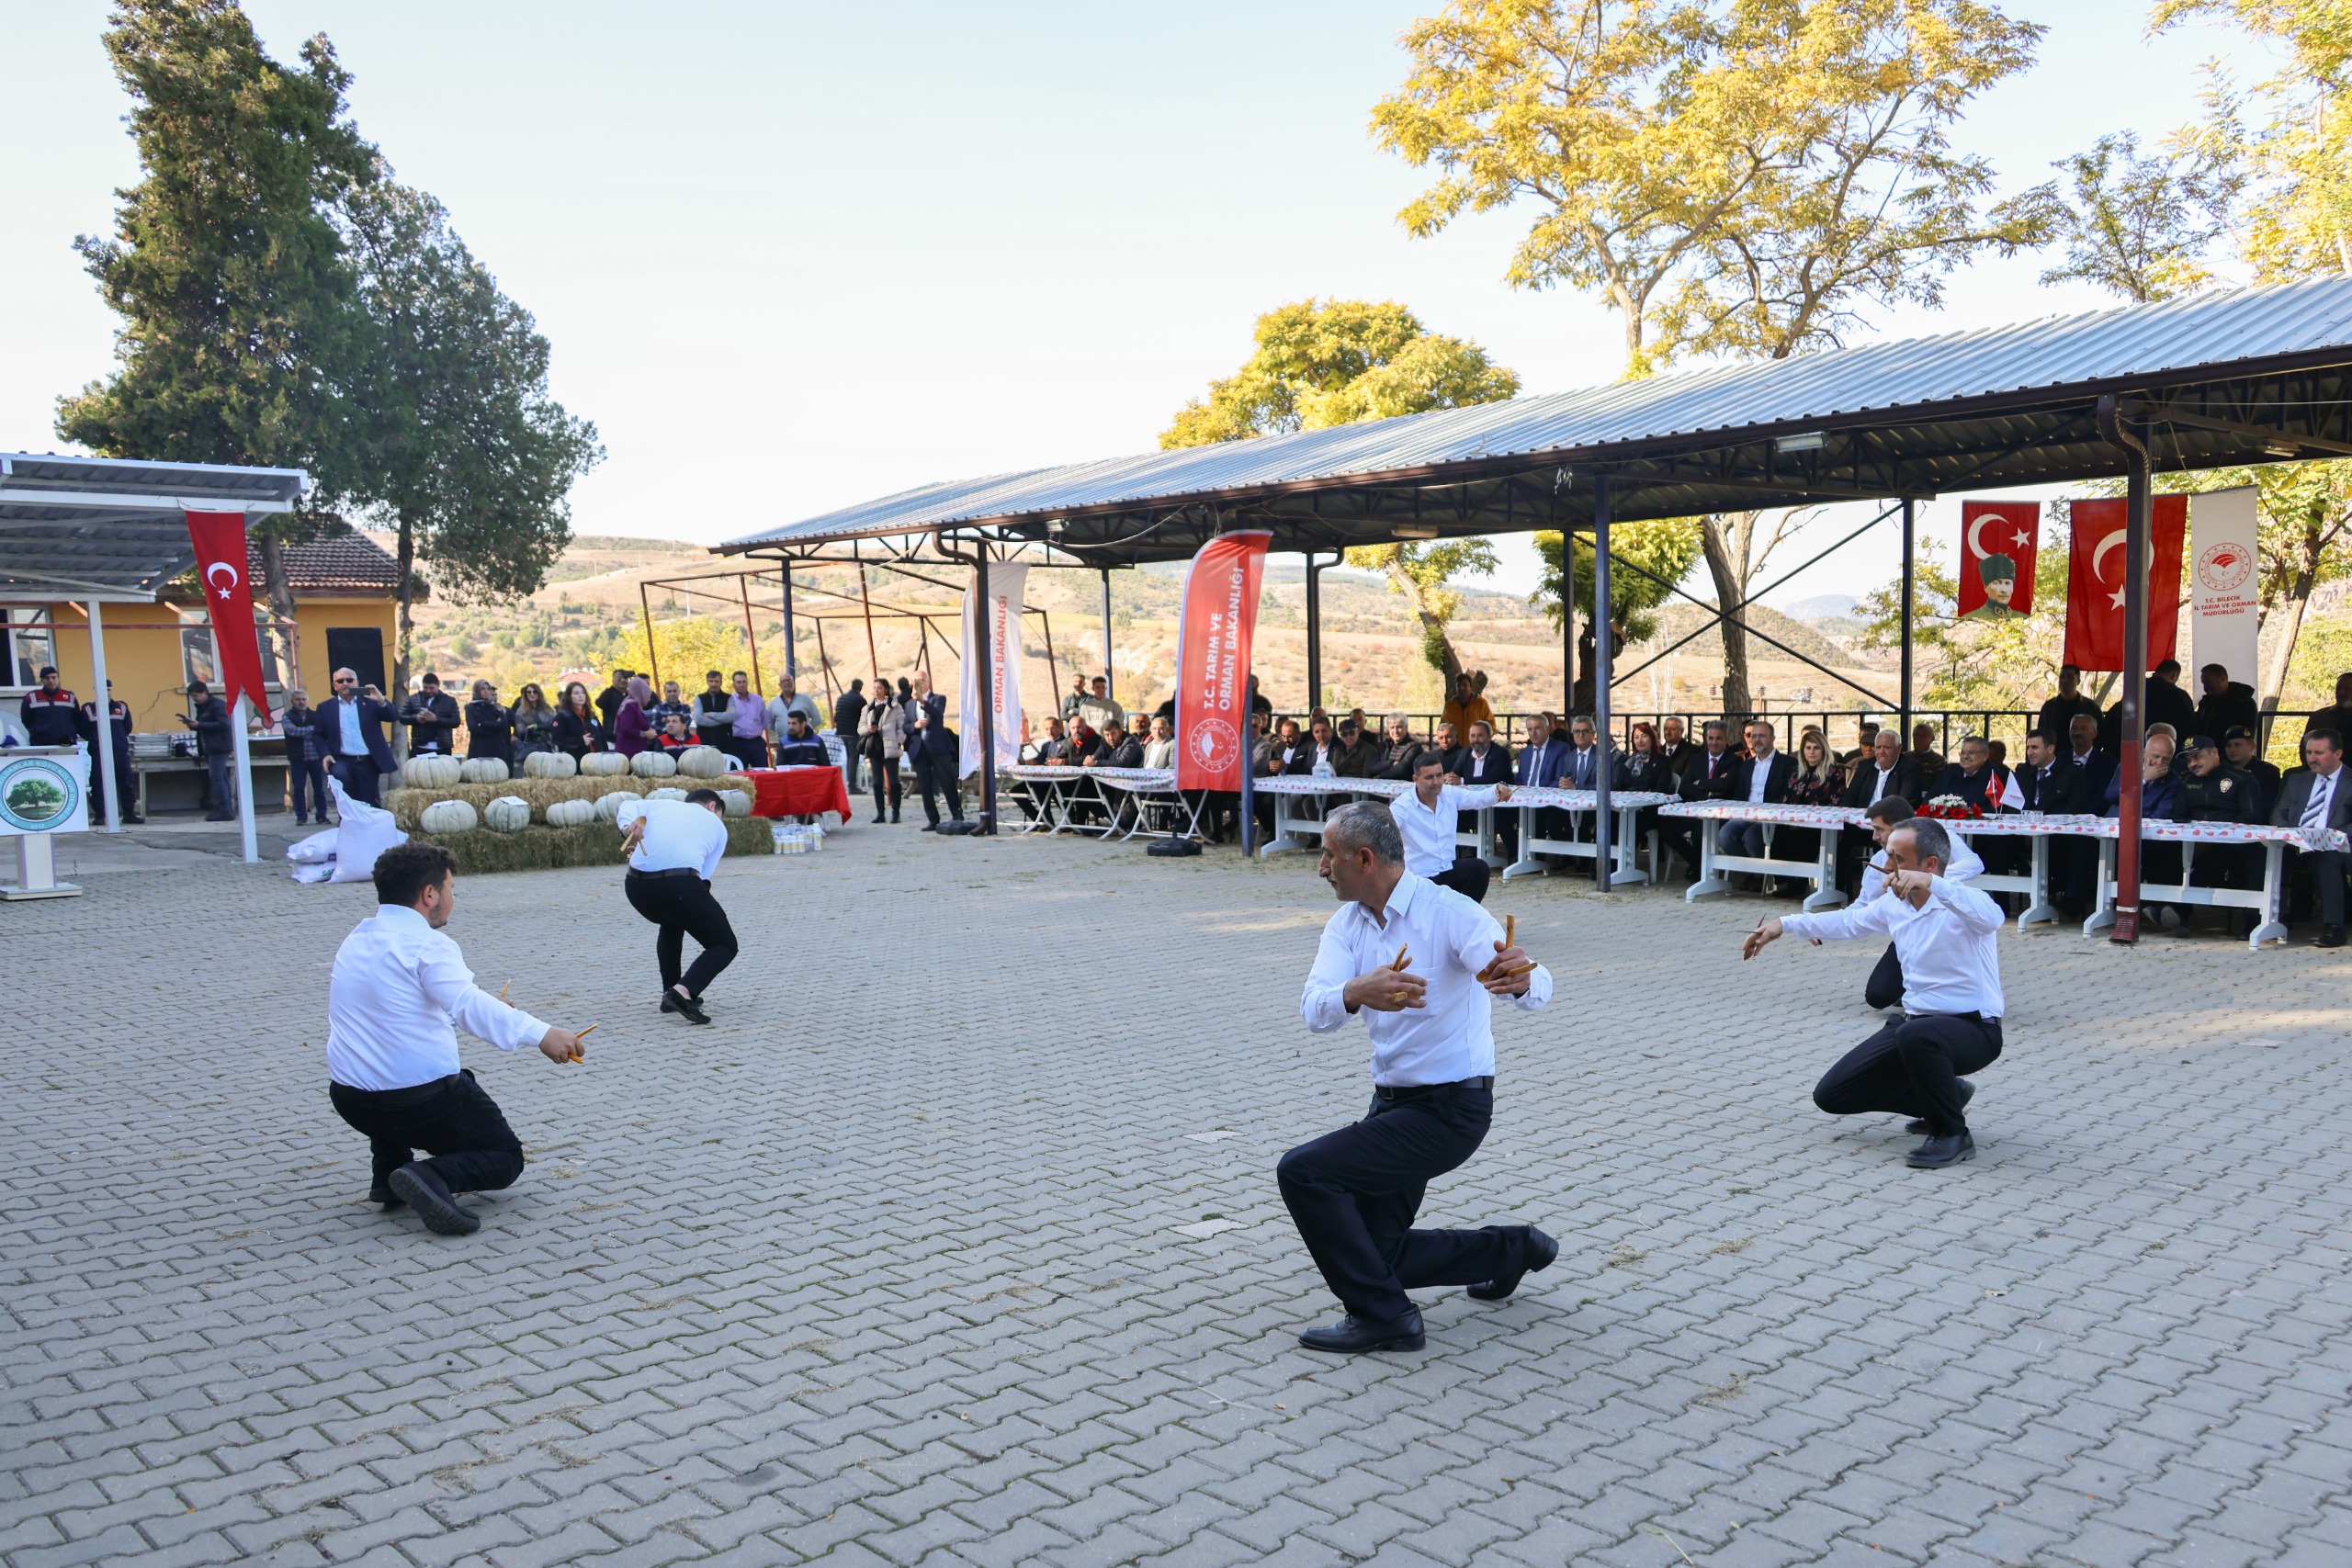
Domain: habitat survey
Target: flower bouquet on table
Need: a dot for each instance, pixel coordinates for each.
(1951, 808)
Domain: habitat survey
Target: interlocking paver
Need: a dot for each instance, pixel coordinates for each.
(882, 1266)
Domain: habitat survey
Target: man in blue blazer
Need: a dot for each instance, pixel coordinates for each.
(1539, 761)
(350, 737)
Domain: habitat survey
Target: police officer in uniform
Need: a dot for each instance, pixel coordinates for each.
(118, 726)
(2212, 791)
(50, 712)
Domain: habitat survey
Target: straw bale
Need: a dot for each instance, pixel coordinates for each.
(541, 848)
(406, 804)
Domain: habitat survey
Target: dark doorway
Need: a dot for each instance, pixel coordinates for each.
(359, 650)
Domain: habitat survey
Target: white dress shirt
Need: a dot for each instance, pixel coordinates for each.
(1159, 753)
(1451, 939)
(1965, 863)
(679, 835)
(399, 986)
(1878, 789)
(1950, 962)
(1760, 778)
(1475, 763)
(1428, 830)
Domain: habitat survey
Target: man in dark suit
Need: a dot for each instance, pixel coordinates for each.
(1709, 777)
(2166, 704)
(2317, 795)
(2226, 703)
(1972, 777)
(2238, 749)
(1759, 778)
(1888, 771)
(2093, 762)
(2094, 768)
(2337, 714)
(1484, 761)
(2049, 782)
(350, 737)
(430, 714)
(1677, 746)
(1582, 763)
(1538, 763)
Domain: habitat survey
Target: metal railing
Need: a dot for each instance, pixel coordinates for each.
(1841, 726)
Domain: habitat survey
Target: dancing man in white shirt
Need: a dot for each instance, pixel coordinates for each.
(1883, 990)
(1944, 934)
(399, 986)
(673, 846)
(1353, 1193)
(1430, 817)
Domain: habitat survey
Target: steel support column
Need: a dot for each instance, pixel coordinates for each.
(984, 624)
(1569, 622)
(791, 665)
(1601, 623)
(103, 763)
(2139, 505)
(1110, 676)
(1902, 712)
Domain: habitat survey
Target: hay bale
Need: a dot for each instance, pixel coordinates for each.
(538, 848)
(407, 805)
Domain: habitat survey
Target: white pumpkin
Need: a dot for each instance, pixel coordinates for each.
(431, 771)
(482, 769)
(549, 765)
(571, 813)
(702, 762)
(667, 792)
(608, 806)
(448, 817)
(507, 814)
(738, 802)
(603, 764)
(654, 765)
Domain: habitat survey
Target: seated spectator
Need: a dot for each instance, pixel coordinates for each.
(1120, 750)
(1931, 761)
(1054, 750)
(674, 737)
(1817, 780)
(2226, 703)
(1679, 751)
(1580, 765)
(1273, 752)
(1866, 751)
(2212, 791)
(1085, 742)
(1397, 753)
(1709, 777)
(1971, 777)
(2096, 763)
(1888, 770)
(1159, 751)
(1759, 778)
(2238, 749)
(2159, 790)
(1321, 753)
(801, 745)
(1449, 741)
(1999, 751)
(1483, 760)
(1644, 767)
(1356, 747)
(2049, 783)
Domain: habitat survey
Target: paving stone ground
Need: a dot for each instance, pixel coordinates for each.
(955, 1241)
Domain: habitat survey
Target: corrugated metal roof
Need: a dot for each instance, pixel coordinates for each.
(1978, 373)
(72, 526)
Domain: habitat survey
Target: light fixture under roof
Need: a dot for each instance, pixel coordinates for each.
(2281, 449)
(1811, 441)
(1413, 531)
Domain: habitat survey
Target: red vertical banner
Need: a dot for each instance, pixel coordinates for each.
(2094, 577)
(1219, 617)
(1998, 541)
(220, 569)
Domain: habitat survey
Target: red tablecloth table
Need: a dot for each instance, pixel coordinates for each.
(798, 792)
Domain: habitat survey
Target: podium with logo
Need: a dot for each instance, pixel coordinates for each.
(44, 791)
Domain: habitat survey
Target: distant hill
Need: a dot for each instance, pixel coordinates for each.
(1823, 606)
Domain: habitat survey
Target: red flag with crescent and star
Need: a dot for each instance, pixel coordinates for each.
(2001, 535)
(2095, 582)
(221, 561)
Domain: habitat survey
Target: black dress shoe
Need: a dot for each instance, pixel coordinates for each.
(424, 1193)
(1937, 1152)
(1919, 1129)
(1352, 1335)
(1537, 1251)
(380, 1193)
(2330, 936)
(877, 817)
(687, 1008)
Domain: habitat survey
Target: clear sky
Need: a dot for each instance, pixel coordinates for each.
(792, 257)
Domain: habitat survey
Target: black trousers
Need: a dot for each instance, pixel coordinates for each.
(682, 906)
(1884, 988)
(2326, 872)
(884, 770)
(453, 1120)
(307, 778)
(1468, 875)
(1912, 1067)
(935, 776)
(358, 776)
(1354, 1195)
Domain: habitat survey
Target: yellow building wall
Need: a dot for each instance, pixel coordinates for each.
(143, 651)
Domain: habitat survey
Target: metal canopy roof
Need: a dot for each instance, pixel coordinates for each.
(2227, 376)
(112, 528)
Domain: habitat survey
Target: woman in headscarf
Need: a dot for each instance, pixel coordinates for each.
(633, 725)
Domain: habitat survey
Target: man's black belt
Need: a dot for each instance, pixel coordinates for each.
(673, 871)
(1415, 1090)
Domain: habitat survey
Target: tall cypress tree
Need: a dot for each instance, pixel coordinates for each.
(238, 299)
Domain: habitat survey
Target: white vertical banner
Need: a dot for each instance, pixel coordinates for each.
(1006, 585)
(2225, 583)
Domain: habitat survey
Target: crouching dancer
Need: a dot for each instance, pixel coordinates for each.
(1944, 934)
(1423, 963)
(398, 987)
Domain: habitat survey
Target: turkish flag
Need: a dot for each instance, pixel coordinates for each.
(2095, 582)
(221, 558)
(2002, 535)
(1219, 618)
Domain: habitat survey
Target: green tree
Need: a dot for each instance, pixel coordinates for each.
(1663, 551)
(2141, 225)
(459, 447)
(235, 290)
(682, 649)
(1985, 664)
(1745, 177)
(1325, 362)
